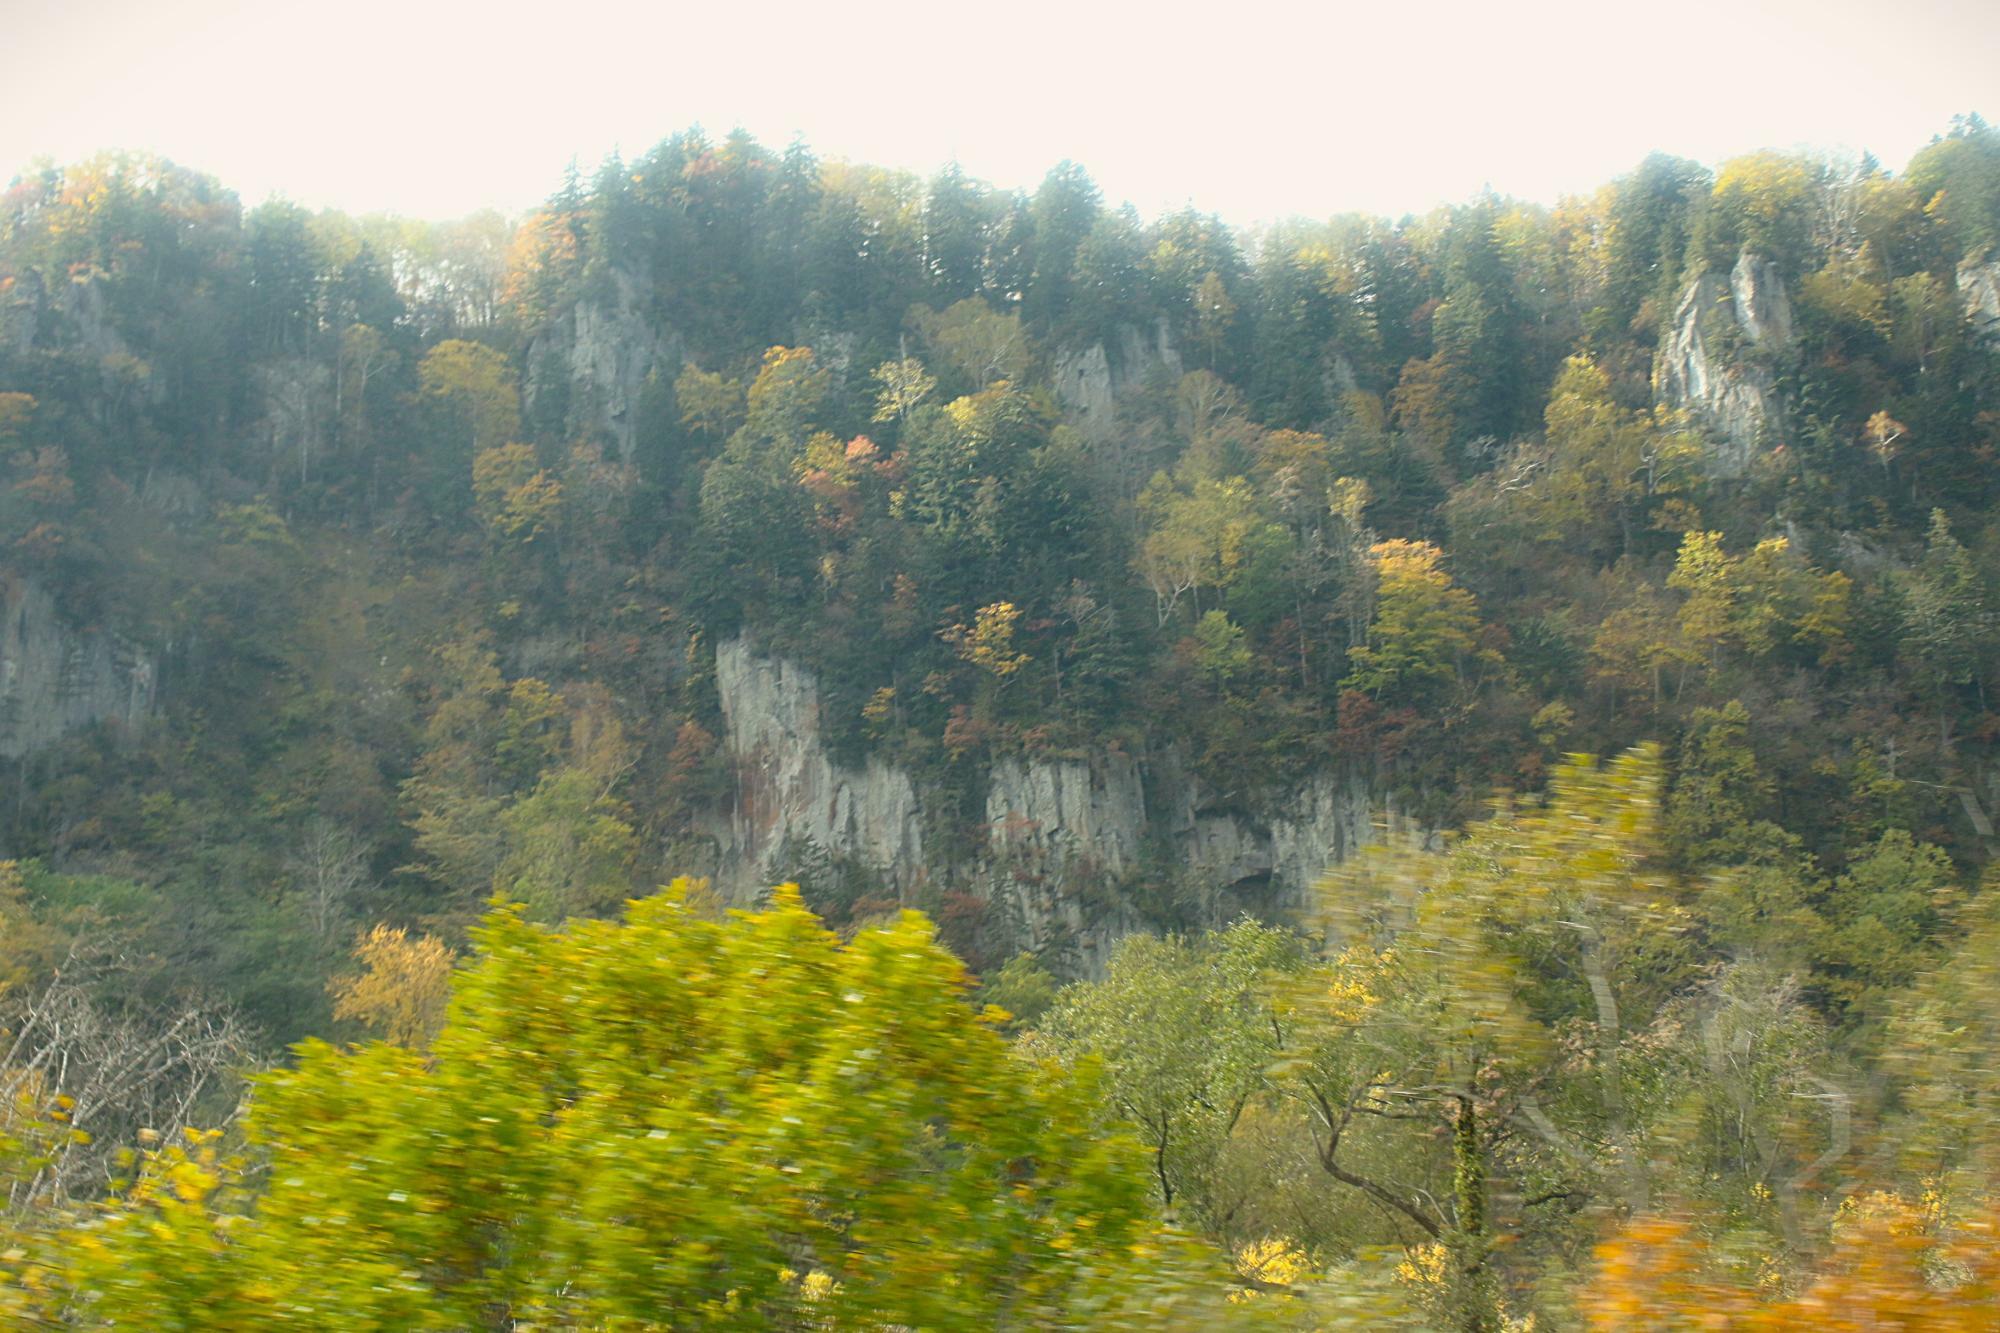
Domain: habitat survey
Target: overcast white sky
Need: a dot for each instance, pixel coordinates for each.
(1253, 109)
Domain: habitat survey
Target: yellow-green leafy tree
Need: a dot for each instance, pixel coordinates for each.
(476, 385)
(517, 498)
(1486, 1001)
(710, 405)
(1425, 627)
(666, 1121)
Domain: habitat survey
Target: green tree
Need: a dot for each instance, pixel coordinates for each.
(515, 496)
(665, 1121)
(476, 385)
(1610, 460)
(710, 405)
(1957, 178)
(1471, 976)
(1220, 653)
(1199, 536)
(1718, 791)
(784, 401)
(1062, 214)
(1425, 625)
(983, 345)
(1646, 242)
(904, 385)
(1183, 1029)
(569, 848)
(1763, 202)
(1946, 621)
(958, 211)
(1939, 1045)
(1882, 917)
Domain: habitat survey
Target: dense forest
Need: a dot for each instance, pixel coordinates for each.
(1414, 773)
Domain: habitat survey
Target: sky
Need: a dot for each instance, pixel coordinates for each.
(1252, 109)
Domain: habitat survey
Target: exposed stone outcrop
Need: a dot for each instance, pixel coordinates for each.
(172, 493)
(1337, 381)
(597, 359)
(20, 310)
(1979, 294)
(56, 678)
(1330, 819)
(1055, 832)
(1757, 296)
(1062, 840)
(74, 316)
(1089, 381)
(1719, 360)
(1068, 815)
(1272, 861)
(788, 789)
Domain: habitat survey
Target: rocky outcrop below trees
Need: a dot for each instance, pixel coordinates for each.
(75, 317)
(1068, 851)
(1090, 381)
(790, 794)
(1979, 294)
(591, 369)
(56, 678)
(1720, 359)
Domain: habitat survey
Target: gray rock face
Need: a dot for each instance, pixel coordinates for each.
(1757, 295)
(1331, 819)
(86, 319)
(1979, 293)
(1338, 380)
(72, 315)
(20, 310)
(173, 493)
(56, 678)
(1719, 360)
(605, 349)
(1090, 380)
(1062, 816)
(1060, 838)
(1055, 831)
(789, 790)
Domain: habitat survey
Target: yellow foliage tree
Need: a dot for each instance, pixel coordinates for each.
(1425, 625)
(517, 498)
(710, 405)
(989, 642)
(402, 988)
(475, 383)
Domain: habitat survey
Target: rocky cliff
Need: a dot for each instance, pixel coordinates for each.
(1979, 294)
(789, 792)
(56, 677)
(75, 316)
(591, 367)
(1061, 844)
(1090, 380)
(1720, 360)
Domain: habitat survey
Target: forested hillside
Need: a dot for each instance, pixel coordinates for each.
(1092, 584)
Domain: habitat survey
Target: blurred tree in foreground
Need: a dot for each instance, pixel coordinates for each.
(663, 1121)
